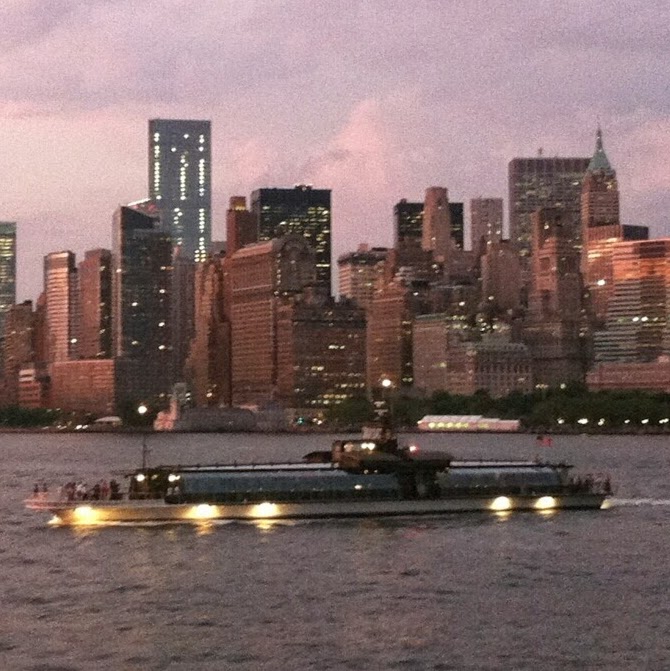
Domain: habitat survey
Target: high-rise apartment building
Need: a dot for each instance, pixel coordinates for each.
(7, 269)
(542, 183)
(95, 305)
(18, 348)
(141, 303)
(180, 181)
(61, 289)
(486, 221)
(303, 211)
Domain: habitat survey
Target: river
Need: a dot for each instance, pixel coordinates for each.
(579, 590)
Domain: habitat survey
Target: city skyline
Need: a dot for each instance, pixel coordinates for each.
(373, 117)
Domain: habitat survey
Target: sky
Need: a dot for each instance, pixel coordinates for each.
(374, 99)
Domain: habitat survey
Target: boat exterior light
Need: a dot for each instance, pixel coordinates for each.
(265, 509)
(86, 515)
(501, 503)
(546, 503)
(203, 511)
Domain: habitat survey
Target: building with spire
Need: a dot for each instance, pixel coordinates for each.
(601, 230)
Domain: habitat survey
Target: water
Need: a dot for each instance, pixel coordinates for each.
(580, 590)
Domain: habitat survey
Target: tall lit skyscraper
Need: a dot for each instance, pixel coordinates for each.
(302, 210)
(7, 269)
(180, 181)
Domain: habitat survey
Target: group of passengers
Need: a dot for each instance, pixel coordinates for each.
(100, 491)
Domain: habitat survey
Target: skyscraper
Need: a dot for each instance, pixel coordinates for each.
(180, 181)
(544, 182)
(141, 295)
(241, 225)
(601, 229)
(7, 269)
(436, 228)
(302, 210)
(61, 290)
(95, 301)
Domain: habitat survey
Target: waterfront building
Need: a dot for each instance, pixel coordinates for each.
(303, 211)
(636, 327)
(241, 225)
(486, 221)
(7, 269)
(34, 384)
(61, 289)
(258, 278)
(95, 305)
(141, 303)
(180, 181)
(555, 328)
(651, 376)
(320, 351)
(208, 365)
(361, 273)
(543, 182)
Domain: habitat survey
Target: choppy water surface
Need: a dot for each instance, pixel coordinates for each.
(581, 590)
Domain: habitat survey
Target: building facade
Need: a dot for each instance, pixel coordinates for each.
(542, 182)
(361, 273)
(555, 325)
(180, 181)
(141, 303)
(486, 221)
(61, 289)
(95, 305)
(259, 277)
(320, 352)
(7, 269)
(241, 225)
(303, 211)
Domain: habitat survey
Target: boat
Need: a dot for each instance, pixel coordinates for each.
(371, 476)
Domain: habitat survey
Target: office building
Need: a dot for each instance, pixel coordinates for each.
(320, 351)
(303, 211)
(543, 182)
(61, 290)
(436, 230)
(208, 364)
(95, 304)
(361, 273)
(141, 304)
(486, 222)
(407, 224)
(241, 225)
(259, 278)
(636, 326)
(180, 181)
(7, 269)
(555, 328)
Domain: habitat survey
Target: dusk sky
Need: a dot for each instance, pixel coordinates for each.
(374, 99)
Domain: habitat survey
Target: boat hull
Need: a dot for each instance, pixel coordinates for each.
(108, 512)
